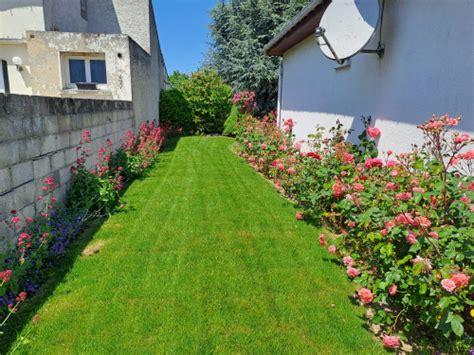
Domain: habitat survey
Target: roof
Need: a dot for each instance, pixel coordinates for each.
(298, 29)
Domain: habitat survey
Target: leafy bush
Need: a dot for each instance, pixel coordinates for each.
(243, 104)
(175, 111)
(98, 189)
(207, 97)
(405, 222)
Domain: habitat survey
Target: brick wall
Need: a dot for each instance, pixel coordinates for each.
(38, 138)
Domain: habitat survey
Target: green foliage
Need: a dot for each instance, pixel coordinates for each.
(230, 125)
(239, 31)
(404, 223)
(175, 111)
(207, 97)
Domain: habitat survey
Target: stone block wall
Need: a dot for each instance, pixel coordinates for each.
(39, 137)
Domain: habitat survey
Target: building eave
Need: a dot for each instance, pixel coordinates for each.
(298, 29)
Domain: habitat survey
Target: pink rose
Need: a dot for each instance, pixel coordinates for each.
(348, 158)
(373, 132)
(373, 163)
(332, 249)
(263, 146)
(299, 215)
(280, 167)
(391, 342)
(434, 235)
(403, 196)
(250, 145)
(392, 290)
(392, 186)
(347, 260)
(452, 121)
(365, 295)
(352, 272)
(411, 238)
(322, 240)
(448, 284)
(392, 163)
(291, 171)
(460, 279)
(358, 187)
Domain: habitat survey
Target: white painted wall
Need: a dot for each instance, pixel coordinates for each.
(20, 81)
(47, 76)
(428, 69)
(17, 16)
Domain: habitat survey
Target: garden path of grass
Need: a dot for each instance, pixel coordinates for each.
(206, 258)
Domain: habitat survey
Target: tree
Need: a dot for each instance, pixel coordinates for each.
(239, 31)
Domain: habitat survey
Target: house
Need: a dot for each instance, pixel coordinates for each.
(427, 68)
(83, 49)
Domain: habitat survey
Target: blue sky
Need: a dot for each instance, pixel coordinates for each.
(183, 30)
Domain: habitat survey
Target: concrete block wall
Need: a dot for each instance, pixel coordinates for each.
(39, 137)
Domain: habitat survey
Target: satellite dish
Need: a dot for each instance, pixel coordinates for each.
(347, 26)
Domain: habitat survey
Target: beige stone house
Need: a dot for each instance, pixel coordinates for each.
(87, 49)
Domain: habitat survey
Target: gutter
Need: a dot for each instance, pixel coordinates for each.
(293, 23)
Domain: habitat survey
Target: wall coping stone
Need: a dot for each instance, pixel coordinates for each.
(30, 106)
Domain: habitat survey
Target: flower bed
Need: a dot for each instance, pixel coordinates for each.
(95, 191)
(404, 222)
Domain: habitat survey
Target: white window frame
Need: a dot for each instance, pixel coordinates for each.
(87, 64)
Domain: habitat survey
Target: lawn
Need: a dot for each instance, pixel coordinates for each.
(207, 257)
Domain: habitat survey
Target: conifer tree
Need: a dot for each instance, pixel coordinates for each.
(239, 31)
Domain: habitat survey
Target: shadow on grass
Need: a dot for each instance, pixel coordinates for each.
(53, 277)
(56, 273)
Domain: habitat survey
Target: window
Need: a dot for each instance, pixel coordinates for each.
(4, 83)
(84, 71)
(77, 71)
(98, 72)
(84, 9)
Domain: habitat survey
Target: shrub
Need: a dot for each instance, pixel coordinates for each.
(243, 104)
(230, 125)
(175, 111)
(208, 98)
(98, 189)
(40, 241)
(404, 222)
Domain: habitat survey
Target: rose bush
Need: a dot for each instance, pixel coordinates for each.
(404, 222)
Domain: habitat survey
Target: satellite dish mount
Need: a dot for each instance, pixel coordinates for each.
(347, 26)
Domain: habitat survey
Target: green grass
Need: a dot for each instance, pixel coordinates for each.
(207, 258)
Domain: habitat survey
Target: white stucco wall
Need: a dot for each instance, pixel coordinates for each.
(20, 81)
(428, 69)
(47, 78)
(17, 16)
(118, 16)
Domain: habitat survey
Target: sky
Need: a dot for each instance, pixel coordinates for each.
(183, 30)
